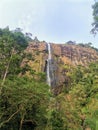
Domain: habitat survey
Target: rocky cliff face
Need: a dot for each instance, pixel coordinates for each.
(37, 56)
(74, 54)
(62, 55)
(66, 56)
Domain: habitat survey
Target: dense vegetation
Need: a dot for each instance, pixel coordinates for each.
(79, 105)
(25, 102)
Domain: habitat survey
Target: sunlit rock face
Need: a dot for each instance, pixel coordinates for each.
(74, 54)
(62, 55)
(39, 55)
(70, 55)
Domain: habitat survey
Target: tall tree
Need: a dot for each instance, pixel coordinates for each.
(12, 45)
(95, 17)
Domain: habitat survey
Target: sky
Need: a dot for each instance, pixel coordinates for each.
(55, 21)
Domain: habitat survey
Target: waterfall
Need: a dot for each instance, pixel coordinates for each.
(48, 65)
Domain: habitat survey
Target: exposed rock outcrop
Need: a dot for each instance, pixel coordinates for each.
(74, 54)
(70, 55)
(62, 55)
(39, 55)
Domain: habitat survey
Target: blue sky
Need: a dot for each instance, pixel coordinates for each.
(51, 20)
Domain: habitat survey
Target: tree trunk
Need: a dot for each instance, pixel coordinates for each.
(21, 122)
(7, 68)
(6, 71)
(2, 123)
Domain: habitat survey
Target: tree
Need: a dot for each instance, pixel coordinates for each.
(23, 104)
(95, 17)
(12, 45)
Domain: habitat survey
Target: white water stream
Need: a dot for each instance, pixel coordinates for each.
(48, 65)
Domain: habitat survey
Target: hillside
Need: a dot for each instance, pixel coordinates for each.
(47, 86)
(63, 55)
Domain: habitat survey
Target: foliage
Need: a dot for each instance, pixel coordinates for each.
(24, 100)
(27, 99)
(86, 44)
(95, 17)
(12, 45)
(80, 103)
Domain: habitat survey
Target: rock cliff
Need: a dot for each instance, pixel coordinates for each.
(63, 55)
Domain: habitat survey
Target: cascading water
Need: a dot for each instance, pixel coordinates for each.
(48, 65)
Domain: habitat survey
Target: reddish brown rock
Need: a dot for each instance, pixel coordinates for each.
(63, 55)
